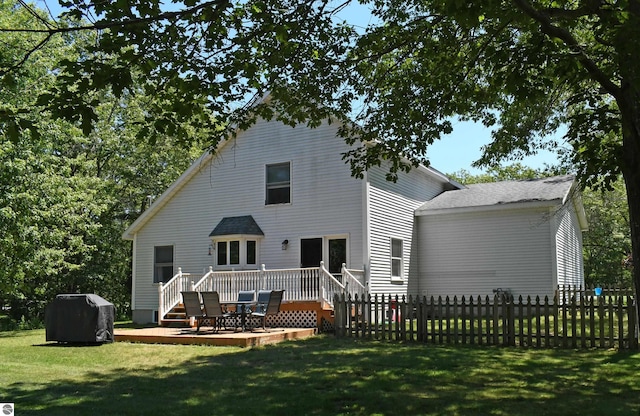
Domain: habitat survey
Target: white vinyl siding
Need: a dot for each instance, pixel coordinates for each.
(474, 253)
(325, 201)
(391, 215)
(568, 239)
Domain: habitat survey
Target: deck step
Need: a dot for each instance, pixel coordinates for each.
(175, 322)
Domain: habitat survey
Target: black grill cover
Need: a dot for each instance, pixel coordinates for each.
(85, 318)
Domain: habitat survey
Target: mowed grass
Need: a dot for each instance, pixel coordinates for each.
(318, 376)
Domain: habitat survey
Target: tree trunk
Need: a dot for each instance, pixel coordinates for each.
(631, 174)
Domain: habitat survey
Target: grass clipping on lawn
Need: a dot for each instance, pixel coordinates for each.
(318, 376)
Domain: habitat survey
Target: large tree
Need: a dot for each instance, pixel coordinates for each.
(525, 68)
(66, 197)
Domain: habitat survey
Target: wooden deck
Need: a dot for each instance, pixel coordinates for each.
(163, 335)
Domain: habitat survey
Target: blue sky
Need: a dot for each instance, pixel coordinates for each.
(453, 152)
(463, 147)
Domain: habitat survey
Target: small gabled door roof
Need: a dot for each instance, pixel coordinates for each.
(244, 225)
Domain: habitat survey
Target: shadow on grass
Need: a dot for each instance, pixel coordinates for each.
(325, 376)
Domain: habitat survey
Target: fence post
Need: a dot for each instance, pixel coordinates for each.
(633, 325)
(455, 320)
(376, 316)
(403, 318)
(601, 315)
(620, 313)
(463, 313)
(338, 318)
(511, 320)
(496, 318)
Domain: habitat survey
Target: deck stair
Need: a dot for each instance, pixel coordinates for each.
(177, 317)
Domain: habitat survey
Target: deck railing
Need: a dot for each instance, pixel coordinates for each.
(303, 284)
(169, 293)
(352, 280)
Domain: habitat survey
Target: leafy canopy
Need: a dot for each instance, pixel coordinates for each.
(65, 197)
(523, 68)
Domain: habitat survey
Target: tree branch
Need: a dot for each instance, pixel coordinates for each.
(51, 30)
(34, 13)
(107, 24)
(551, 30)
(26, 55)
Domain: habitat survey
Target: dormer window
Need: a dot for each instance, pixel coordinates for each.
(278, 186)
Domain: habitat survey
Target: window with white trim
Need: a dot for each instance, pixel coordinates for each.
(397, 263)
(162, 263)
(236, 253)
(278, 183)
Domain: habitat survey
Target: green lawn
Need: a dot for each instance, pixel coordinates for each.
(318, 376)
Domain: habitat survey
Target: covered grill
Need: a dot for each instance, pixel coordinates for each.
(81, 318)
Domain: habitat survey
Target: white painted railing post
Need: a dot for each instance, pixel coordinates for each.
(323, 294)
(345, 280)
(160, 302)
(263, 274)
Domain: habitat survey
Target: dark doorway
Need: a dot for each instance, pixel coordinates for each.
(337, 256)
(310, 252)
(310, 256)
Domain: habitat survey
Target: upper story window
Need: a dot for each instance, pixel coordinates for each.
(162, 263)
(278, 184)
(397, 263)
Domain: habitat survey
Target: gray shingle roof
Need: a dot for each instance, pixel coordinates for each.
(245, 225)
(502, 193)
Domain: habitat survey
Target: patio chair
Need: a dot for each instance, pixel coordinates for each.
(273, 307)
(213, 310)
(193, 309)
(262, 301)
(243, 309)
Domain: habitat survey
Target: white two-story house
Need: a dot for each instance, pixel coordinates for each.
(284, 198)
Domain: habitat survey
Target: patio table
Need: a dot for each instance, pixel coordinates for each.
(244, 307)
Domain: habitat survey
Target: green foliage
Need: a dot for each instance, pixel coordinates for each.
(608, 241)
(66, 196)
(512, 172)
(526, 69)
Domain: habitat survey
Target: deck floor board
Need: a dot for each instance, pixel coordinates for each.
(168, 335)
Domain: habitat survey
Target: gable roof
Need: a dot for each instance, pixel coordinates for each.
(244, 225)
(554, 190)
(196, 167)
